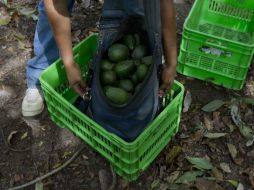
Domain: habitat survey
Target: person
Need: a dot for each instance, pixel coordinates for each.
(53, 38)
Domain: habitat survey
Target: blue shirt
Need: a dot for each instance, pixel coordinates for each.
(119, 8)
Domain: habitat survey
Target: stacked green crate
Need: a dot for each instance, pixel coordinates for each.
(218, 42)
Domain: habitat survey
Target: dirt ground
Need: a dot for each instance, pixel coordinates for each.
(33, 147)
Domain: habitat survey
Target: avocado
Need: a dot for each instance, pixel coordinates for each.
(105, 88)
(148, 60)
(118, 53)
(137, 39)
(108, 77)
(126, 85)
(117, 95)
(142, 71)
(106, 65)
(134, 78)
(129, 41)
(139, 52)
(137, 62)
(124, 68)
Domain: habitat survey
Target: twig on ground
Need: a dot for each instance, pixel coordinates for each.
(50, 173)
(112, 186)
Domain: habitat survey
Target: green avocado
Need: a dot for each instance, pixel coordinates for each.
(134, 78)
(106, 65)
(139, 52)
(129, 41)
(148, 60)
(117, 95)
(126, 85)
(108, 77)
(118, 53)
(124, 68)
(142, 71)
(137, 39)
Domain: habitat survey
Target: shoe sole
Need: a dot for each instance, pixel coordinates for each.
(32, 113)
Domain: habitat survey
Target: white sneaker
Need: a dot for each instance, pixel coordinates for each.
(32, 104)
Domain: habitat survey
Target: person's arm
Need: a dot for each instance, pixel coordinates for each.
(168, 24)
(57, 12)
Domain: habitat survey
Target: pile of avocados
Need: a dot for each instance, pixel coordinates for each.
(124, 68)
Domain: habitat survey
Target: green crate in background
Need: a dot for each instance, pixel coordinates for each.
(226, 29)
(129, 159)
(231, 20)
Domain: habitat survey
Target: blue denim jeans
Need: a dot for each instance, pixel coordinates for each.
(45, 48)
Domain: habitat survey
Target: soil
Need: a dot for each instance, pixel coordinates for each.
(31, 147)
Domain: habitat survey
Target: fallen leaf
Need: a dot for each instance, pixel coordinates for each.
(244, 130)
(250, 141)
(39, 186)
(155, 183)
(187, 102)
(21, 45)
(27, 11)
(204, 184)
(251, 154)
(239, 161)
(248, 100)
(233, 182)
(24, 136)
(212, 146)
(208, 123)
(17, 177)
(19, 36)
(175, 152)
(173, 176)
(5, 18)
(217, 174)
(217, 123)
(240, 187)
(227, 121)
(213, 106)
(251, 177)
(225, 167)
(40, 143)
(5, 2)
(214, 135)
(163, 186)
(195, 137)
(87, 3)
(84, 157)
(200, 163)
(11, 136)
(232, 150)
(189, 176)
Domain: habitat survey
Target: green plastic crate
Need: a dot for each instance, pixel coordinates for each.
(129, 159)
(218, 42)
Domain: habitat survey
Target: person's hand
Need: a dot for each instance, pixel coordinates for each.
(167, 79)
(75, 79)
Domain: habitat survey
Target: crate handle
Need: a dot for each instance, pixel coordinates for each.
(216, 44)
(216, 48)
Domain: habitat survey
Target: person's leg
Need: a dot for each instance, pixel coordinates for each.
(45, 48)
(45, 53)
